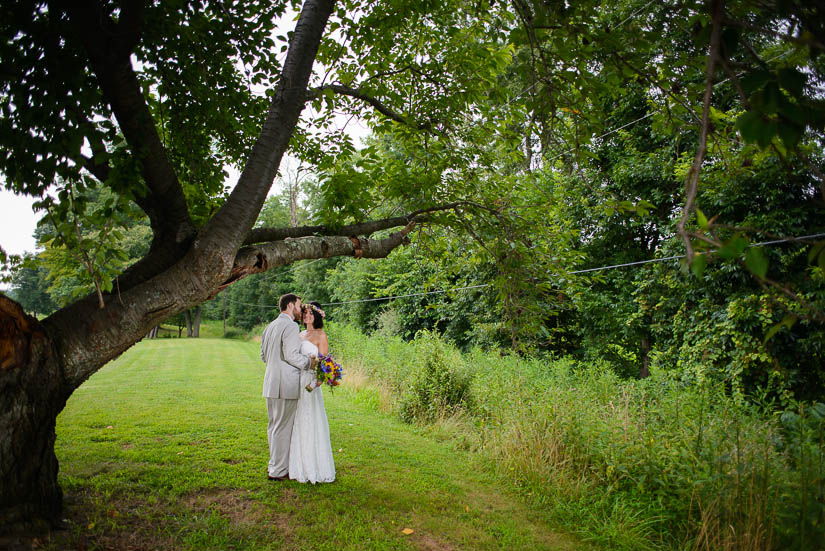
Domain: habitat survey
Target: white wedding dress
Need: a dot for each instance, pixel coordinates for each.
(310, 450)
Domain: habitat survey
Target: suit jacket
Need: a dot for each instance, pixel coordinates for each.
(281, 350)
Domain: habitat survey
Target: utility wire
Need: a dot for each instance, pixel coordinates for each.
(588, 270)
(640, 119)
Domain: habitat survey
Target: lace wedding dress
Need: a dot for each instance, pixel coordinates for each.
(310, 451)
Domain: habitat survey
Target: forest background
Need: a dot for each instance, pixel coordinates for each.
(671, 140)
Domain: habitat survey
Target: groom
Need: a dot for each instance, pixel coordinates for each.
(281, 350)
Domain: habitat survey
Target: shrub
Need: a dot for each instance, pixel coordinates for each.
(442, 384)
(659, 463)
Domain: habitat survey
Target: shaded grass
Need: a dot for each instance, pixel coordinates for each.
(166, 448)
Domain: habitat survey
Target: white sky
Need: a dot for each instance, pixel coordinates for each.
(17, 222)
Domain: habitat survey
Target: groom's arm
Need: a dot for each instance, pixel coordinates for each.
(265, 344)
(292, 348)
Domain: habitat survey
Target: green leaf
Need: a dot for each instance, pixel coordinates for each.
(702, 219)
(753, 128)
(728, 251)
(773, 97)
(755, 80)
(792, 80)
(733, 247)
(788, 321)
(756, 261)
(815, 251)
(698, 265)
(790, 134)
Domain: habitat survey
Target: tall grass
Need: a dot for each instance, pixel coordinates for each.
(652, 464)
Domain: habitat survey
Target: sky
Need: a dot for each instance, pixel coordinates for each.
(17, 222)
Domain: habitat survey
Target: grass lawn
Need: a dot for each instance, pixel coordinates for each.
(165, 448)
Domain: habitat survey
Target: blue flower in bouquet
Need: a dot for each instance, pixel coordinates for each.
(328, 371)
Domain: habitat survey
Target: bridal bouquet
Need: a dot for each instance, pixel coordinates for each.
(328, 371)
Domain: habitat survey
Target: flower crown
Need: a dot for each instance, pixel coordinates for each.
(317, 310)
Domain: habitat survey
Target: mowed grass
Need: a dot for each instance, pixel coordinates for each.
(165, 448)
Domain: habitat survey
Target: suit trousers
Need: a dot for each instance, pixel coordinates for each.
(279, 433)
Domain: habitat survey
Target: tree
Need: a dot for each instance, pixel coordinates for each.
(29, 288)
(159, 132)
(482, 108)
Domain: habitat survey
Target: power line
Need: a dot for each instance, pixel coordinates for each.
(640, 119)
(576, 272)
(634, 14)
(409, 295)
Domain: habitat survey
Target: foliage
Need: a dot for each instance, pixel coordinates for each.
(441, 384)
(28, 288)
(562, 135)
(652, 464)
(92, 239)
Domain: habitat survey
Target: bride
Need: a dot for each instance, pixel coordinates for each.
(310, 451)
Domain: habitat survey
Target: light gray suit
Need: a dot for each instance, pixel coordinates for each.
(281, 350)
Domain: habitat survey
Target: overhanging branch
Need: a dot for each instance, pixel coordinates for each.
(259, 235)
(260, 258)
(357, 93)
(227, 229)
(108, 46)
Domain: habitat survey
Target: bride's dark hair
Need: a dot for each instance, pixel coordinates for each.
(317, 318)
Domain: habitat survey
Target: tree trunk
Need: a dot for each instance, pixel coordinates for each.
(187, 314)
(644, 370)
(224, 313)
(31, 396)
(196, 324)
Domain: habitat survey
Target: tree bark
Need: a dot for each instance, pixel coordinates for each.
(644, 370)
(188, 317)
(196, 323)
(31, 396)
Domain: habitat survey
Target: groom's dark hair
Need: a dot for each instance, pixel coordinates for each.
(286, 300)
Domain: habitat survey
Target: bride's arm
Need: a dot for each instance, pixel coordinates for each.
(323, 345)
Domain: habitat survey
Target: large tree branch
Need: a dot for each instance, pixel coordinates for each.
(265, 256)
(259, 235)
(357, 93)
(109, 46)
(230, 225)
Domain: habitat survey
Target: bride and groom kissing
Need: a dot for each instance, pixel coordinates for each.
(298, 431)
